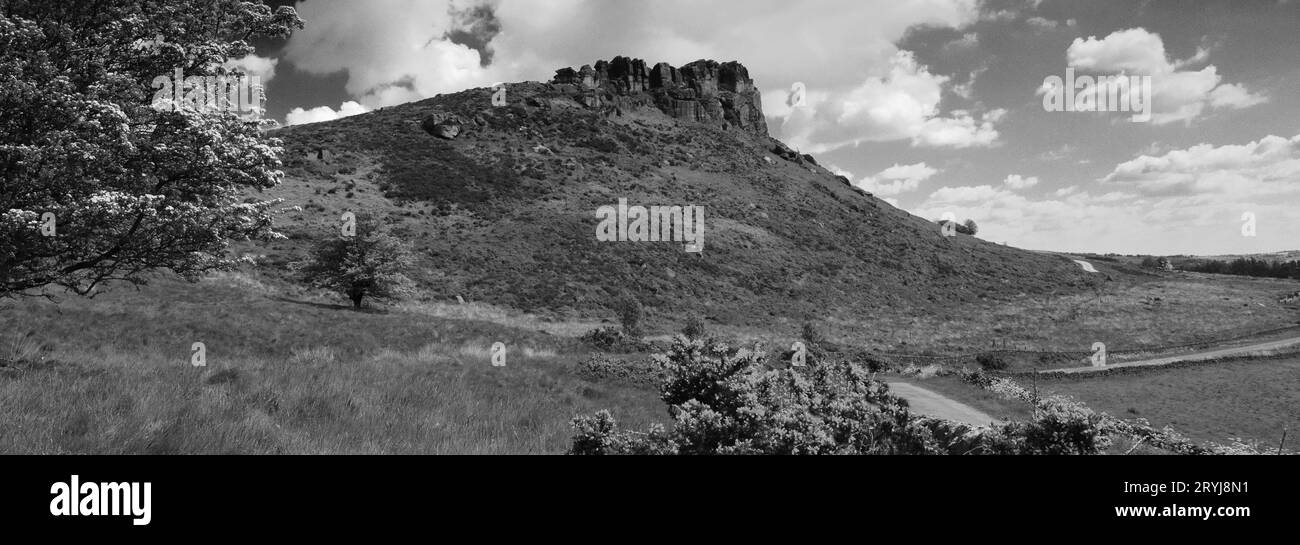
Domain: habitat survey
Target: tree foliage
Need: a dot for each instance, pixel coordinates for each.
(370, 264)
(1246, 266)
(129, 188)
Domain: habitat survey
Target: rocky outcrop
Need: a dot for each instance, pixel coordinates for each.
(444, 126)
(703, 91)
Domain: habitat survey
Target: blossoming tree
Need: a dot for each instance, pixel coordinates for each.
(97, 182)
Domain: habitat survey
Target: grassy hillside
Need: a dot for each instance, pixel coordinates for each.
(505, 214)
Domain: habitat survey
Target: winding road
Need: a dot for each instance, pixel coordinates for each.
(928, 403)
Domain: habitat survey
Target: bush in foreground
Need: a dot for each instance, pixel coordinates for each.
(724, 400)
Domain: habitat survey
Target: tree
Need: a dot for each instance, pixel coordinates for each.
(972, 228)
(97, 183)
(630, 313)
(372, 263)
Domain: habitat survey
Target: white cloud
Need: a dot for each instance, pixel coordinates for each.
(1178, 95)
(393, 51)
(902, 104)
(1016, 182)
(396, 50)
(1131, 50)
(1231, 95)
(299, 116)
(1267, 166)
(897, 179)
(1183, 201)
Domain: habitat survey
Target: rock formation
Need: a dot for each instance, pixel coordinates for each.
(444, 126)
(704, 91)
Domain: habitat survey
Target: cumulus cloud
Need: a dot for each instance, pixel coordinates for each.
(1182, 201)
(902, 104)
(1178, 94)
(299, 116)
(1266, 166)
(395, 51)
(897, 179)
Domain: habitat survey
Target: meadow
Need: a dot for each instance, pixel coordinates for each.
(112, 375)
(1250, 398)
(290, 370)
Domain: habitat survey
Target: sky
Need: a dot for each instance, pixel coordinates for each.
(938, 106)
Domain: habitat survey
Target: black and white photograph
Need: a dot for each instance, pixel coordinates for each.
(900, 228)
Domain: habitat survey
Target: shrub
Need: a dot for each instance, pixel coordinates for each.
(606, 339)
(630, 314)
(724, 401)
(1060, 427)
(694, 328)
(991, 362)
(604, 368)
(612, 340)
(811, 335)
(599, 143)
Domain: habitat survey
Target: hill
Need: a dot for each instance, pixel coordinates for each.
(500, 200)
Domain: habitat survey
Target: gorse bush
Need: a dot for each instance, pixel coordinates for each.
(725, 400)
(1061, 427)
(694, 328)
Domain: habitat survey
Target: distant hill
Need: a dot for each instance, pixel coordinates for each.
(501, 200)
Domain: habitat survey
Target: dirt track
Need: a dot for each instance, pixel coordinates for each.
(925, 402)
(1195, 356)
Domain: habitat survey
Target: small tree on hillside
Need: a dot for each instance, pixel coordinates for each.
(630, 313)
(372, 263)
(972, 228)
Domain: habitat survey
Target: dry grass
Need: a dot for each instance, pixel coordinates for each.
(1190, 308)
(293, 374)
(284, 378)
